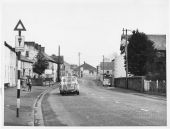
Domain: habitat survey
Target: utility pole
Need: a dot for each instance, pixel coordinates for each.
(79, 64)
(103, 68)
(126, 60)
(58, 72)
(126, 53)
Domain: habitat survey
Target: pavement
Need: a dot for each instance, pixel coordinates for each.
(27, 100)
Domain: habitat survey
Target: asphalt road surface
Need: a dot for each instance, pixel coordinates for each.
(96, 106)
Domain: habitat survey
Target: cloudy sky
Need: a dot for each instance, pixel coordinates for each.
(91, 27)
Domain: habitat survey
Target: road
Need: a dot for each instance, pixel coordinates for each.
(96, 106)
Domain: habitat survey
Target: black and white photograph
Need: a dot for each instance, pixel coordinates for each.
(84, 63)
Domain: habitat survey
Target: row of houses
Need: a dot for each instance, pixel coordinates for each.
(116, 66)
(28, 57)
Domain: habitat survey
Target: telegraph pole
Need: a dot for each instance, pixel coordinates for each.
(126, 60)
(58, 72)
(79, 64)
(126, 53)
(103, 68)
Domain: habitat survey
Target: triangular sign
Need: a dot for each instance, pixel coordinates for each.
(19, 26)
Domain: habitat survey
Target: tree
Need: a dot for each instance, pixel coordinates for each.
(41, 64)
(141, 53)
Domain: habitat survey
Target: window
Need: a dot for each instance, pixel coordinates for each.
(27, 54)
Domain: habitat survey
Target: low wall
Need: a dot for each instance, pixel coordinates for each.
(134, 83)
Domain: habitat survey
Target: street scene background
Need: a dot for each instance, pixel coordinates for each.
(115, 49)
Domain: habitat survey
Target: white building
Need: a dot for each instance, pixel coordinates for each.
(51, 71)
(9, 70)
(86, 70)
(26, 66)
(119, 69)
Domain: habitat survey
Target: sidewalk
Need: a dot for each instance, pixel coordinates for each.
(132, 92)
(26, 106)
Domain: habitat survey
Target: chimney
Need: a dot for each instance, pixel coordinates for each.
(39, 47)
(43, 49)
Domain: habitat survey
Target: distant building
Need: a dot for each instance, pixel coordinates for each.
(51, 71)
(26, 66)
(105, 68)
(86, 70)
(65, 69)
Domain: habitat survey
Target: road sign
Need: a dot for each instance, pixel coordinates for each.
(48, 71)
(19, 43)
(19, 26)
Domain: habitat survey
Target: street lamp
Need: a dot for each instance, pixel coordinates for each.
(126, 53)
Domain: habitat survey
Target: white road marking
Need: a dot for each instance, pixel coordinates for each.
(87, 117)
(101, 97)
(117, 102)
(144, 110)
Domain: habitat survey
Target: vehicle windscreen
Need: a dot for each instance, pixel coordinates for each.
(69, 79)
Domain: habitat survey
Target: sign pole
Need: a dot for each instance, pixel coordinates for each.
(19, 80)
(19, 46)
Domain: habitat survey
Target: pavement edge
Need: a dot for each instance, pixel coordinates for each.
(37, 112)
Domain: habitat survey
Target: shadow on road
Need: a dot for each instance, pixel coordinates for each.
(67, 94)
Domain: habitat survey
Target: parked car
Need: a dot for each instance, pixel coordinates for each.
(69, 84)
(107, 80)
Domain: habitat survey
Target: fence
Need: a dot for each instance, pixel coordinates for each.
(134, 83)
(138, 83)
(154, 86)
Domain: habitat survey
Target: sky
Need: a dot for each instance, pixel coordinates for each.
(91, 27)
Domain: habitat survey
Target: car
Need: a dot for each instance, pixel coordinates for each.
(107, 82)
(69, 84)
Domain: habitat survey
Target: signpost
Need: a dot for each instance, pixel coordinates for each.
(19, 46)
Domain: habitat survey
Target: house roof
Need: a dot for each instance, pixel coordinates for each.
(65, 63)
(107, 65)
(86, 67)
(10, 47)
(24, 59)
(48, 57)
(159, 41)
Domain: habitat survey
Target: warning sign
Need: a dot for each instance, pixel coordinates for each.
(19, 43)
(19, 26)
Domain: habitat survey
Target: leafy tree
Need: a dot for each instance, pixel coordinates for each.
(41, 64)
(141, 53)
